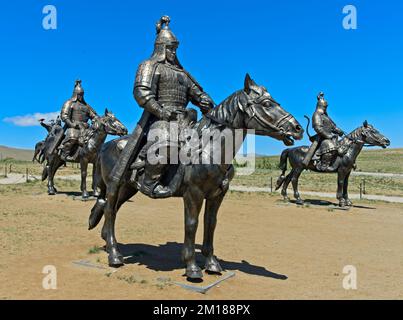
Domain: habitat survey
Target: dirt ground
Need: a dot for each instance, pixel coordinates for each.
(277, 251)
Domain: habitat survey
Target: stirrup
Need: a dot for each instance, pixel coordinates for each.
(155, 191)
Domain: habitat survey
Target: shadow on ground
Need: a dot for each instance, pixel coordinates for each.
(167, 257)
(325, 203)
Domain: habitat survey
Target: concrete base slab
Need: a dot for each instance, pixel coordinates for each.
(203, 289)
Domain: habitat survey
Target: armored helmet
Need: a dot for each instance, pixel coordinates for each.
(165, 37)
(321, 100)
(164, 34)
(78, 88)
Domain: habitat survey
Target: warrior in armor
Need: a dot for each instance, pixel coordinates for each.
(325, 143)
(164, 89)
(75, 114)
(48, 126)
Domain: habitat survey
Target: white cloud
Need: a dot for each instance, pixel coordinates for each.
(30, 120)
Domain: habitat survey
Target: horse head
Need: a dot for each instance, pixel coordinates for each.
(371, 136)
(110, 124)
(264, 115)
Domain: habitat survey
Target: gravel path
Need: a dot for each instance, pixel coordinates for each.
(322, 194)
(377, 174)
(15, 178)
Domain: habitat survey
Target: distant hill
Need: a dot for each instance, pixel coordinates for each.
(16, 154)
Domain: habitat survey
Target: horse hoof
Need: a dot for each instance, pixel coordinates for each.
(299, 202)
(349, 203)
(213, 267)
(51, 192)
(342, 204)
(115, 261)
(194, 273)
(96, 194)
(85, 195)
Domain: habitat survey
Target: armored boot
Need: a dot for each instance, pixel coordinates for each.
(325, 163)
(136, 166)
(65, 152)
(151, 185)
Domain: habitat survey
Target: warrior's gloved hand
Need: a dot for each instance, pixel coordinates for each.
(167, 115)
(70, 124)
(206, 103)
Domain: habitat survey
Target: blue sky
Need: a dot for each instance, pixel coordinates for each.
(294, 48)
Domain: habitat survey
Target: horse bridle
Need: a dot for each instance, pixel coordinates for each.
(276, 127)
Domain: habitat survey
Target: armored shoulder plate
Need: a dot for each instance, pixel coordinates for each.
(66, 109)
(145, 73)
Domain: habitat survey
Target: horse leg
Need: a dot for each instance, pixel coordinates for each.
(95, 180)
(340, 186)
(84, 169)
(285, 185)
(210, 222)
(345, 191)
(294, 181)
(193, 200)
(114, 202)
(115, 258)
(52, 167)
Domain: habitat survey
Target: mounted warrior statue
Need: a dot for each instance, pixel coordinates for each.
(324, 147)
(77, 142)
(75, 114)
(332, 155)
(164, 89)
(55, 132)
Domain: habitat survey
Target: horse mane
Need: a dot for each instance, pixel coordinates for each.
(352, 136)
(226, 111)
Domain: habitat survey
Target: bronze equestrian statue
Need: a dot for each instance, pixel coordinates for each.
(325, 143)
(81, 142)
(52, 128)
(124, 167)
(338, 156)
(75, 114)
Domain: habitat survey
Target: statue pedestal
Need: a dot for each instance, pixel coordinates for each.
(209, 281)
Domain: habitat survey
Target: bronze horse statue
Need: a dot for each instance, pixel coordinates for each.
(39, 154)
(96, 136)
(249, 108)
(352, 144)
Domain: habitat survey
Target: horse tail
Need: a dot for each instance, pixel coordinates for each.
(283, 168)
(97, 211)
(307, 126)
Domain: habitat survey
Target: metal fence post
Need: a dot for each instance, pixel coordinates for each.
(271, 184)
(5, 170)
(27, 174)
(361, 191)
(363, 187)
